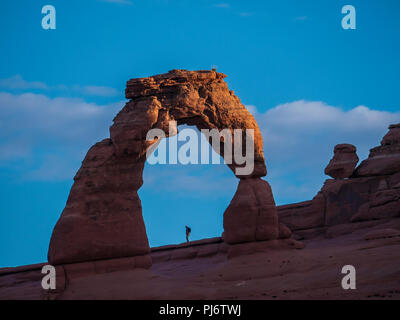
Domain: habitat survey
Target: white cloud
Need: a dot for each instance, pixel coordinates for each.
(49, 133)
(190, 181)
(100, 91)
(54, 167)
(253, 109)
(14, 150)
(299, 138)
(17, 82)
(51, 136)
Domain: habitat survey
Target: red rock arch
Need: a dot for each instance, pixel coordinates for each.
(103, 215)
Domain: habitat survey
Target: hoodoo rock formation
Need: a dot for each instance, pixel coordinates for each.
(103, 216)
(372, 192)
(385, 159)
(343, 163)
(252, 215)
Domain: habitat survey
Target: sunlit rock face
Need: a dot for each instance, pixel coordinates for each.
(103, 216)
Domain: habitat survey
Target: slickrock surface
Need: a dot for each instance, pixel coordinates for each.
(343, 162)
(205, 271)
(103, 216)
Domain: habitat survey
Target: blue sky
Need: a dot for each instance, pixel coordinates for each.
(309, 83)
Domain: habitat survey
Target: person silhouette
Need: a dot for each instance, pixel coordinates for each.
(188, 231)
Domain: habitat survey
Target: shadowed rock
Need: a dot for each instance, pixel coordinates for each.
(372, 193)
(251, 215)
(343, 162)
(385, 159)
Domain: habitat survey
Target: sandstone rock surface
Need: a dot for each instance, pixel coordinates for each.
(385, 159)
(371, 193)
(251, 215)
(103, 215)
(214, 270)
(343, 162)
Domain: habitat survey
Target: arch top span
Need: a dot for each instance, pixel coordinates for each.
(103, 215)
(199, 98)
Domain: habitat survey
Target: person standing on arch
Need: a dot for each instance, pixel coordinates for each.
(188, 231)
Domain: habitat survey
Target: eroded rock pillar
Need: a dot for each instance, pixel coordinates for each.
(252, 214)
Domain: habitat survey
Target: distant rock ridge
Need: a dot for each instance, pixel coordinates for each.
(385, 159)
(371, 192)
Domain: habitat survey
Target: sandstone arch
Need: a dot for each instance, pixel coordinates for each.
(103, 215)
